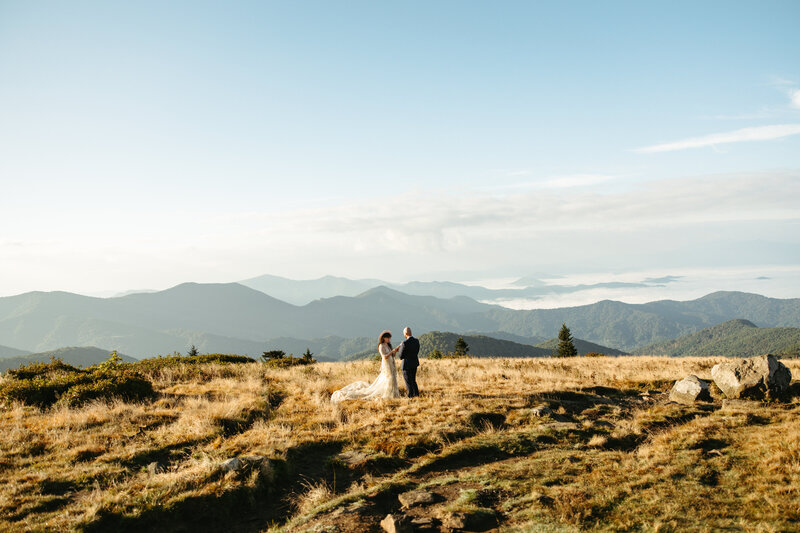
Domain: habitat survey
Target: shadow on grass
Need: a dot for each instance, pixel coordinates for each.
(242, 507)
(162, 455)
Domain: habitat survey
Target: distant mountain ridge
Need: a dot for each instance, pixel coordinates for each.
(479, 345)
(486, 346)
(234, 318)
(583, 347)
(81, 356)
(302, 292)
(737, 338)
(8, 351)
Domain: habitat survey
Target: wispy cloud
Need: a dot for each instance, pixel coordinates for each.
(759, 133)
(795, 96)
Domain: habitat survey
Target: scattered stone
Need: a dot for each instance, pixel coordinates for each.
(326, 528)
(477, 520)
(689, 390)
(232, 465)
(156, 468)
(416, 497)
(396, 524)
(755, 378)
(541, 410)
(423, 523)
(237, 465)
(353, 457)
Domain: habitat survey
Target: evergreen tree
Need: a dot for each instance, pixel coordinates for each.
(273, 354)
(565, 346)
(308, 357)
(192, 351)
(461, 347)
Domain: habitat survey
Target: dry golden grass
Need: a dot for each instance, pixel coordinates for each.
(606, 458)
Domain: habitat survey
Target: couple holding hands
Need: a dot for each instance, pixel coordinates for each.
(385, 385)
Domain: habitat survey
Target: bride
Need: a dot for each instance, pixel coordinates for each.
(384, 386)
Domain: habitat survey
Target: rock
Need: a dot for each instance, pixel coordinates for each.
(477, 520)
(237, 465)
(396, 524)
(541, 410)
(231, 465)
(423, 523)
(689, 390)
(416, 497)
(755, 378)
(353, 457)
(156, 468)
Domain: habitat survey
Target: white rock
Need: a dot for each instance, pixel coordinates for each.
(753, 378)
(689, 390)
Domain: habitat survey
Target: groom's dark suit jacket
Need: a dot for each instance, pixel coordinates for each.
(409, 353)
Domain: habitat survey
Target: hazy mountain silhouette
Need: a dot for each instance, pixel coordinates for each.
(81, 356)
(301, 292)
(8, 351)
(234, 318)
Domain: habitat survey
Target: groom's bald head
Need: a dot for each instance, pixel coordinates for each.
(407, 331)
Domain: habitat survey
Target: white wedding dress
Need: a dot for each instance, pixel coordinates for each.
(384, 386)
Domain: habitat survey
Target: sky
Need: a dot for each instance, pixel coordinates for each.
(145, 144)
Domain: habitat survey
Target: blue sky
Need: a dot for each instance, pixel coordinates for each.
(144, 144)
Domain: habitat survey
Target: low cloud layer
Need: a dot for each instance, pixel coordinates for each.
(722, 218)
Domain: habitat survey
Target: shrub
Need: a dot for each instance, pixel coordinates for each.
(594, 354)
(45, 384)
(33, 370)
(288, 361)
(126, 386)
(272, 354)
(157, 363)
(435, 354)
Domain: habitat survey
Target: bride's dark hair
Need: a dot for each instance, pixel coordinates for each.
(385, 334)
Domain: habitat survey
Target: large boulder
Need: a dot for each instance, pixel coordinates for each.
(689, 390)
(755, 378)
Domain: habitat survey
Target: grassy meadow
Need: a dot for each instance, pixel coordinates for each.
(496, 444)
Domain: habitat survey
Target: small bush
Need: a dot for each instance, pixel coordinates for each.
(288, 361)
(127, 386)
(33, 370)
(594, 354)
(435, 354)
(157, 363)
(46, 384)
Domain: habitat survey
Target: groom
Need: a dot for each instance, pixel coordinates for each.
(409, 355)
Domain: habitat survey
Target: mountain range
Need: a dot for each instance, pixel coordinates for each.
(81, 356)
(737, 338)
(234, 318)
(302, 292)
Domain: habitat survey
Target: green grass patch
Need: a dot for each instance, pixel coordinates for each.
(46, 384)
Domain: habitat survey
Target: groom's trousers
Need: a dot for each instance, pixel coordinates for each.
(410, 377)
